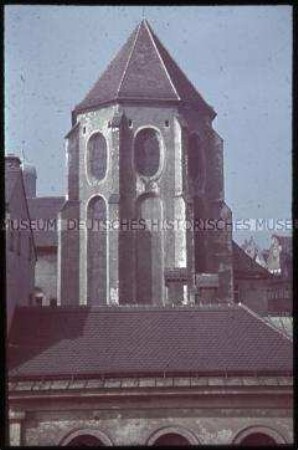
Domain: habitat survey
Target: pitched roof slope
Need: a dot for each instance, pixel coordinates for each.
(46, 342)
(106, 87)
(186, 91)
(146, 75)
(142, 69)
(244, 264)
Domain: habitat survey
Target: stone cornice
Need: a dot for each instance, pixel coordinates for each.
(202, 385)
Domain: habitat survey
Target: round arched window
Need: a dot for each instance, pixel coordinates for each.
(258, 439)
(147, 152)
(85, 441)
(171, 439)
(97, 157)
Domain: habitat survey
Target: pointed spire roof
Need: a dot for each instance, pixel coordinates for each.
(143, 70)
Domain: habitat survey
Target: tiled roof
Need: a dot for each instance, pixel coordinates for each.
(47, 342)
(244, 264)
(43, 212)
(143, 69)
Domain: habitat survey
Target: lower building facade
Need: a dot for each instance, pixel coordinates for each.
(183, 410)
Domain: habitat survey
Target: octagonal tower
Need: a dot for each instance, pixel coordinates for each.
(145, 186)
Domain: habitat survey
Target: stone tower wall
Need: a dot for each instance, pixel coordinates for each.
(168, 198)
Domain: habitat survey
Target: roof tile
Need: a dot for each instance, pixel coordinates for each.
(142, 69)
(83, 341)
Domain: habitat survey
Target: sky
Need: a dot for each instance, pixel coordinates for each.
(238, 57)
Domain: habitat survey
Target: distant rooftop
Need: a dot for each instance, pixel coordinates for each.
(244, 264)
(44, 210)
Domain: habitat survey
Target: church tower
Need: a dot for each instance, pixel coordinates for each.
(145, 221)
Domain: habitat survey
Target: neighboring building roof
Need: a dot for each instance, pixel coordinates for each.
(15, 187)
(245, 265)
(43, 213)
(285, 242)
(143, 70)
(80, 341)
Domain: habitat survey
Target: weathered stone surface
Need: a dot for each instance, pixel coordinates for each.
(136, 426)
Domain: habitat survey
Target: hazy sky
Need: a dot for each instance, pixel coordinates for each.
(239, 58)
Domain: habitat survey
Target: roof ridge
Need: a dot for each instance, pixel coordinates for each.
(142, 70)
(269, 320)
(148, 37)
(261, 319)
(115, 54)
(178, 67)
(128, 60)
(129, 309)
(148, 28)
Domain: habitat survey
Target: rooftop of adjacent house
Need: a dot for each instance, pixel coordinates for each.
(47, 342)
(43, 212)
(285, 242)
(143, 70)
(244, 264)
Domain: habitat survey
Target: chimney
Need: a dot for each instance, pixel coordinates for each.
(12, 163)
(53, 302)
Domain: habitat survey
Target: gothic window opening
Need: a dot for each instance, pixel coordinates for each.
(11, 240)
(96, 157)
(147, 152)
(30, 244)
(236, 294)
(200, 236)
(19, 242)
(96, 252)
(148, 252)
(196, 167)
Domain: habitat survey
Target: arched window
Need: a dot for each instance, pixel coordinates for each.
(96, 157)
(257, 439)
(96, 252)
(85, 440)
(171, 439)
(172, 436)
(258, 436)
(148, 251)
(147, 152)
(200, 235)
(196, 165)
